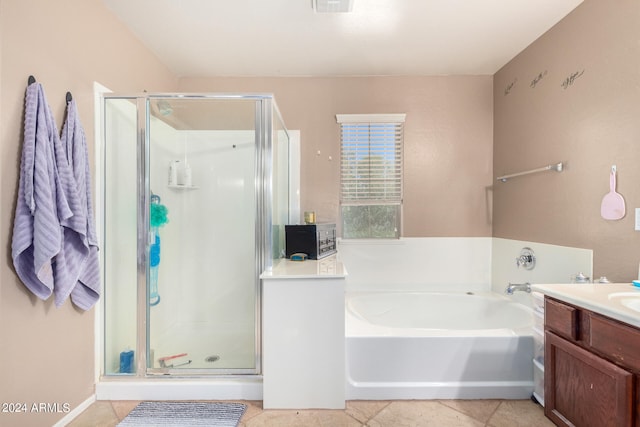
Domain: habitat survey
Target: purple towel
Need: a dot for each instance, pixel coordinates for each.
(54, 244)
(80, 240)
(41, 204)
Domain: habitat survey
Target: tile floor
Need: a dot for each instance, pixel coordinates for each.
(399, 413)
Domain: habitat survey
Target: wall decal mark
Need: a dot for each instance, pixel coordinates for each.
(537, 79)
(509, 87)
(571, 79)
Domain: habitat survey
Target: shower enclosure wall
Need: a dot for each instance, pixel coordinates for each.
(195, 196)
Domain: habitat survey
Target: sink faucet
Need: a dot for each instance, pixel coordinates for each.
(525, 287)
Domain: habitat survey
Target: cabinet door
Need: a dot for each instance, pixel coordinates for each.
(583, 389)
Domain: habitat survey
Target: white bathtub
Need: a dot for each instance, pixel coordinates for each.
(414, 345)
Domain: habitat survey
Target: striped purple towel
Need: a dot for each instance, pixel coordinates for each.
(41, 203)
(80, 239)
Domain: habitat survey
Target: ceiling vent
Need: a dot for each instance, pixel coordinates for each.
(332, 6)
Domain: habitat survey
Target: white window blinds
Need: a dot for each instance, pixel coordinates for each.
(371, 158)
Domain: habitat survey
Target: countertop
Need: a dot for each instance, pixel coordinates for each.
(325, 268)
(610, 299)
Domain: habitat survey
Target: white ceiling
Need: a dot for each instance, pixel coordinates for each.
(380, 37)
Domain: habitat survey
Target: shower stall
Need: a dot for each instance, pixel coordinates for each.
(194, 199)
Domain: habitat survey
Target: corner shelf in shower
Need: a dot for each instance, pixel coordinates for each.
(183, 187)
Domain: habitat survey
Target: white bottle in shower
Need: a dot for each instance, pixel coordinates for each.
(186, 175)
(173, 172)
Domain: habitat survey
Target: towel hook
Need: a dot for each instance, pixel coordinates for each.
(69, 97)
(31, 80)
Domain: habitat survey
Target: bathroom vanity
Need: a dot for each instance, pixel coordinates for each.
(303, 339)
(592, 354)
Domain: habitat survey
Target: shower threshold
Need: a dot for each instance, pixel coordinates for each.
(230, 387)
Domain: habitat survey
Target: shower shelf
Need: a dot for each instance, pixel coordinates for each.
(183, 187)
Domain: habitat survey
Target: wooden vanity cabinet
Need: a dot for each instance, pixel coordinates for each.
(591, 368)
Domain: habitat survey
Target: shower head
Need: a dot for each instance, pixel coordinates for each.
(164, 107)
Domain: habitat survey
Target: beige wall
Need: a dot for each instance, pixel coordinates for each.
(448, 141)
(47, 353)
(450, 158)
(592, 124)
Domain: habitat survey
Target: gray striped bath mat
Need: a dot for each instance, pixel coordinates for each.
(185, 414)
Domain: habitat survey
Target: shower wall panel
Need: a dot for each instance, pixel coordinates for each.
(207, 268)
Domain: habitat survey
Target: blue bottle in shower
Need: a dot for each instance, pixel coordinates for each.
(126, 362)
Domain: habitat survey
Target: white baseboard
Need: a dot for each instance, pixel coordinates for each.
(76, 411)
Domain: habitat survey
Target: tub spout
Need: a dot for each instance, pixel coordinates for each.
(525, 287)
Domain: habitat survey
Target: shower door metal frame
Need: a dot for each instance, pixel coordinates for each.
(264, 106)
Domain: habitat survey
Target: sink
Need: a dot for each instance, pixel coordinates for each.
(631, 300)
(632, 303)
(632, 294)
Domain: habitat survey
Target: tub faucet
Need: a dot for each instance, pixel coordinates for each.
(525, 287)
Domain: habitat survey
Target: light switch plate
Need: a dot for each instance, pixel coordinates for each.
(637, 219)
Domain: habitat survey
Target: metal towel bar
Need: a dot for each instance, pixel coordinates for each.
(555, 167)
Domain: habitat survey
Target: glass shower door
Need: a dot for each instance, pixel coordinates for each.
(203, 288)
(118, 228)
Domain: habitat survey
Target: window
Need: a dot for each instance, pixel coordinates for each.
(371, 175)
